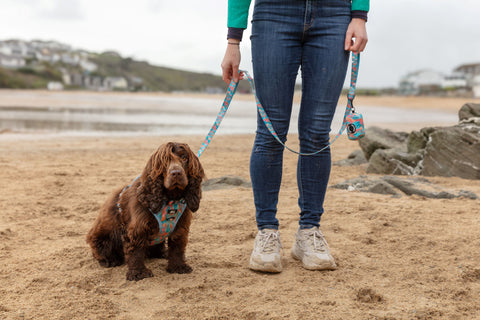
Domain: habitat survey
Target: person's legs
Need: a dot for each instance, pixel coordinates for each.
(277, 28)
(324, 65)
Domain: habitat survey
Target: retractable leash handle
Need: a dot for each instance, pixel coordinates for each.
(233, 87)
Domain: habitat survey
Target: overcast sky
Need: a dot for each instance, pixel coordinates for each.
(404, 35)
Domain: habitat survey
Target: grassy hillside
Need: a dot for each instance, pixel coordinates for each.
(29, 78)
(110, 64)
(155, 78)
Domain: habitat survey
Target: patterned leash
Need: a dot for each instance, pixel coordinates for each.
(233, 87)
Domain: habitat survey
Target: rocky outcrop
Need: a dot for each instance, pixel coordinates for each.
(225, 182)
(432, 151)
(469, 110)
(451, 152)
(396, 186)
(354, 159)
(393, 161)
(376, 138)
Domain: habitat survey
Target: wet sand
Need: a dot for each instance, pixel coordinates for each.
(81, 112)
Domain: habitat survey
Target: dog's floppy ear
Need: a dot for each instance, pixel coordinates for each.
(149, 193)
(195, 169)
(195, 177)
(158, 162)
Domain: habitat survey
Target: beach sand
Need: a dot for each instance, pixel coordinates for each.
(398, 258)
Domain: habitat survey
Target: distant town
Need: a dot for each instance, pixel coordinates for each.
(74, 65)
(57, 66)
(464, 81)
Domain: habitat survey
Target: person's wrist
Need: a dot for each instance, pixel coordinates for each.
(232, 41)
(359, 20)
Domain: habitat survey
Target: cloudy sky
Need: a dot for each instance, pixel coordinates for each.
(404, 35)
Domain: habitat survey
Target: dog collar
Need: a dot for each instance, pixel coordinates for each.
(167, 219)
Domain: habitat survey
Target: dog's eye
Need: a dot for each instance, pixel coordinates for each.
(184, 157)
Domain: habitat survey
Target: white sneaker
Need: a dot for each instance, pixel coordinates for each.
(266, 251)
(312, 249)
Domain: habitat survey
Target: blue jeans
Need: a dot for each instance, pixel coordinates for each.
(286, 35)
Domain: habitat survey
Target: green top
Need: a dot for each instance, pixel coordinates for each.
(238, 11)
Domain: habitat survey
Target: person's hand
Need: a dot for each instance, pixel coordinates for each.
(231, 62)
(356, 30)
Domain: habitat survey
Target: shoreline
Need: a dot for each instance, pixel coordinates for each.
(154, 113)
(40, 98)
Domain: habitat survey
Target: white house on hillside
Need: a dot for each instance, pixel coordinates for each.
(112, 83)
(476, 86)
(11, 61)
(472, 74)
(420, 81)
(455, 80)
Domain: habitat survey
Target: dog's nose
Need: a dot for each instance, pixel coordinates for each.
(175, 173)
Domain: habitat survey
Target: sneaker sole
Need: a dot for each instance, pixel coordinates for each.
(268, 267)
(325, 266)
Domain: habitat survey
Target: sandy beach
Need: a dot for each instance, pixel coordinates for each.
(399, 258)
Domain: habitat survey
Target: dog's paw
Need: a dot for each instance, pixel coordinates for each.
(184, 268)
(110, 263)
(135, 275)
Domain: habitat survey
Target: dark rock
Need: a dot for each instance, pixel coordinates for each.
(377, 138)
(410, 187)
(225, 182)
(396, 186)
(417, 140)
(393, 161)
(467, 194)
(469, 110)
(353, 184)
(471, 125)
(382, 187)
(354, 159)
(364, 184)
(452, 151)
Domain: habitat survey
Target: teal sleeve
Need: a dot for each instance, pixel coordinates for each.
(238, 13)
(361, 5)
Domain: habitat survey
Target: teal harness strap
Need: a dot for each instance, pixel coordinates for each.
(167, 219)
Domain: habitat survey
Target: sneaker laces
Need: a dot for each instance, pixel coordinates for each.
(316, 240)
(269, 242)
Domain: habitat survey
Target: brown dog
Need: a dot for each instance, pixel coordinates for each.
(126, 227)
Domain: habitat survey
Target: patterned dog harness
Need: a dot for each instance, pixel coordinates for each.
(167, 217)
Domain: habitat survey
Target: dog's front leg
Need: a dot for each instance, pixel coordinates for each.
(135, 258)
(176, 254)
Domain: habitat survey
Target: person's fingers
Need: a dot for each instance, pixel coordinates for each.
(226, 74)
(363, 44)
(236, 75)
(348, 39)
(360, 44)
(355, 46)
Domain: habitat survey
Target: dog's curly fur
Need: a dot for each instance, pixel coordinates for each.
(118, 236)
